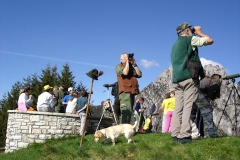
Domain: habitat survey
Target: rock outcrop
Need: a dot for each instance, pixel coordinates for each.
(225, 109)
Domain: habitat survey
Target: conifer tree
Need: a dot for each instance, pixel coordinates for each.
(67, 77)
(46, 77)
(81, 87)
(55, 76)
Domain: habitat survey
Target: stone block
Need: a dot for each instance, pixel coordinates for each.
(16, 137)
(39, 141)
(22, 145)
(25, 116)
(34, 118)
(59, 131)
(16, 126)
(24, 138)
(54, 119)
(48, 136)
(53, 127)
(44, 127)
(12, 144)
(18, 131)
(42, 136)
(52, 123)
(41, 117)
(51, 131)
(19, 116)
(67, 127)
(67, 132)
(24, 127)
(19, 120)
(35, 126)
(40, 123)
(37, 131)
(30, 140)
(44, 131)
(33, 136)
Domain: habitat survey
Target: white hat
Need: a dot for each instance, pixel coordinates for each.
(70, 89)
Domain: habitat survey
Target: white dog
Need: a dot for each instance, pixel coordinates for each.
(113, 132)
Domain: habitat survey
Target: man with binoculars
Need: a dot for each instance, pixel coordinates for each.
(127, 74)
(185, 78)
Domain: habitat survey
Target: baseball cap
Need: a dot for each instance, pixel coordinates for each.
(70, 89)
(182, 27)
(46, 87)
(55, 87)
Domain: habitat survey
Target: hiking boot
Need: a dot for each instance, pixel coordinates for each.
(175, 139)
(185, 140)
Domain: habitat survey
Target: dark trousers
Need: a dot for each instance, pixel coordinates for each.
(116, 107)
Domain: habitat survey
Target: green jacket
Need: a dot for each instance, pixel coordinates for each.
(179, 59)
(59, 96)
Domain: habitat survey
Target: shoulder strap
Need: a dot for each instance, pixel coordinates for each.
(187, 49)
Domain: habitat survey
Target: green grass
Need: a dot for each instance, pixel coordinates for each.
(148, 146)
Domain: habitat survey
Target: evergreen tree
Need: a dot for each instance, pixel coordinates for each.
(36, 90)
(55, 76)
(67, 77)
(81, 87)
(2, 124)
(46, 77)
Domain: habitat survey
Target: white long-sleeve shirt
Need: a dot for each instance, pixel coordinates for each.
(45, 99)
(23, 98)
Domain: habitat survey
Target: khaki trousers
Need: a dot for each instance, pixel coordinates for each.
(186, 92)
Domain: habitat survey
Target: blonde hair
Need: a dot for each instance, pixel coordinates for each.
(21, 91)
(74, 95)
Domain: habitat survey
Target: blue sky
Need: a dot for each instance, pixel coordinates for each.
(93, 34)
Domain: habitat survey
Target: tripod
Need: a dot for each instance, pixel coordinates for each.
(234, 89)
(109, 103)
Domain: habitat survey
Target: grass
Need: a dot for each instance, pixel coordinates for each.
(149, 146)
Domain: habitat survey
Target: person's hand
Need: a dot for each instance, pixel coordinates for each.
(198, 30)
(133, 62)
(30, 96)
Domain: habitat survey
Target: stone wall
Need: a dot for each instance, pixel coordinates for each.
(28, 127)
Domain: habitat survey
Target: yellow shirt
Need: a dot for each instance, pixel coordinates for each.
(164, 104)
(170, 104)
(146, 125)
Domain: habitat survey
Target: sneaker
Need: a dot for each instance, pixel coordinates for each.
(195, 136)
(185, 140)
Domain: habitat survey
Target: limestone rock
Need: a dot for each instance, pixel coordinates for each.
(226, 108)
